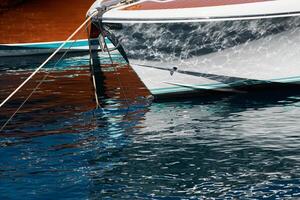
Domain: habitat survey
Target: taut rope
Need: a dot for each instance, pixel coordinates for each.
(50, 57)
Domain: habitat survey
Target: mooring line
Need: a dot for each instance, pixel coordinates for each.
(49, 58)
(92, 68)
(36, 87)
(23, 103)
(116, 70)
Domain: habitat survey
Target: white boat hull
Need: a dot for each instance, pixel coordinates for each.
(264, 59)
(170, 11)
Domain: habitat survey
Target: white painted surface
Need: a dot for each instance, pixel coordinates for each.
(275, 58)
(277, 8)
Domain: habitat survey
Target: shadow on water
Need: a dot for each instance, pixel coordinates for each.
(265, 93)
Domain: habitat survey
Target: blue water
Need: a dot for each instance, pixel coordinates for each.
(243, 146)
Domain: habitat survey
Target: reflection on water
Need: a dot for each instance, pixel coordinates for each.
(58, 146)
(62, 93)
(66, 93)
(31, 62)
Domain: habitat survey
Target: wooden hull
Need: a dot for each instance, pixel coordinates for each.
(27, 27)
(29, 49)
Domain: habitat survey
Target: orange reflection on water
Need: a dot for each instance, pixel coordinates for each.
(65, 96)
(62, 95)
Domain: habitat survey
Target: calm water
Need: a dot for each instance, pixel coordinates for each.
(244, 146)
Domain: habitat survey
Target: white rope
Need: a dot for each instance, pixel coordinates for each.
(36, 87)
(23, 103)
(49, 58)
(92, 68)
(116, 70)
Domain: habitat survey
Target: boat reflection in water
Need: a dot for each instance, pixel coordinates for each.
(66, 93)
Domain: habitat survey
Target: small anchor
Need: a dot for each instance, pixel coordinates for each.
(173, 70)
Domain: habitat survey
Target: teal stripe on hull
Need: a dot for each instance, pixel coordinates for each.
(177, 89)
(7, 50)
(54, 45)
(215, 86)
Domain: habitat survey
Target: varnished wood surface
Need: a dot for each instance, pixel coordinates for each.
(42, 20)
